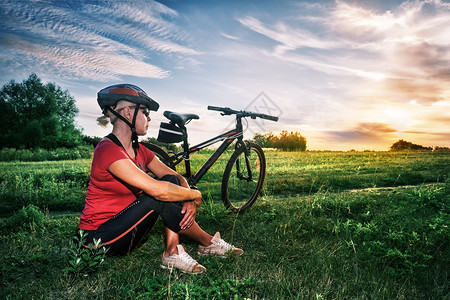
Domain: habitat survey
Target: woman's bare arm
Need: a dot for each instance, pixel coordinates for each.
(160, 169)
(189, 209)
(127, 171)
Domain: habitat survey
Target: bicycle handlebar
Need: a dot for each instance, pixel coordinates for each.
(242, 113)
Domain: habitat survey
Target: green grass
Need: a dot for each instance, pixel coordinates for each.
(338, 171)
(51, 186)
(310, 236)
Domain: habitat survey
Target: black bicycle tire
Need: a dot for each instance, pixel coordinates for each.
(160, 153)
(226, 176)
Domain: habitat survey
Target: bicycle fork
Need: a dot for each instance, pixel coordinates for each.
(240, 174)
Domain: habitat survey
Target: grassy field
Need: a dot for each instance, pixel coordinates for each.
(329, 225)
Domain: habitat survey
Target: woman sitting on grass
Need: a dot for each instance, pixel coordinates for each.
(123, 202)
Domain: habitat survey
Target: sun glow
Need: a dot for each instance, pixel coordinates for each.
(397, 118)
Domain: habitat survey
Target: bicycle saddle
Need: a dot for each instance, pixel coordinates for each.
(180, 119)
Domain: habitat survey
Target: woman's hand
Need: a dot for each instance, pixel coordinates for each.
(127, 171)
(196, 197)
(189, 210)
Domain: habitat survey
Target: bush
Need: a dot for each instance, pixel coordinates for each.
(91, 140)
(39, 154)
(286, 141)
(85, 260)
(402, 145)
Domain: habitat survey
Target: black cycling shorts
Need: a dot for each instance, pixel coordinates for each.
(123, 232)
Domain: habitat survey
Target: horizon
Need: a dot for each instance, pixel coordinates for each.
(348, 75)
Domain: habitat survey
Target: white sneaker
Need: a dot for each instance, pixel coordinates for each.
(182, 261)
(219, 248)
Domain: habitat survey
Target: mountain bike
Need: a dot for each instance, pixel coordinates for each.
(244, 173)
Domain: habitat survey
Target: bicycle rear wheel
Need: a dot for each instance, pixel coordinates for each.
(243, 177)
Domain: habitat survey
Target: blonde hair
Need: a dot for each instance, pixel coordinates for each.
(109, 117)
(103, 121)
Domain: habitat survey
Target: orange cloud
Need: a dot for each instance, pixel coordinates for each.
(364, 132)
(422, 91)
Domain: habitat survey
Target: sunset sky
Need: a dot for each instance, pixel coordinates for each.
(346, 74)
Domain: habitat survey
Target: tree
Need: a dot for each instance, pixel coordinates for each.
(33, 114)
(287, 141)
(290, 141)
(402, 145)
(91, 140)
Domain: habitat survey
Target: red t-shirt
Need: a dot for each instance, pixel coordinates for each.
(107, 195)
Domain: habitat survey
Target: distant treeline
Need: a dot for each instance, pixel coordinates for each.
(402, 145)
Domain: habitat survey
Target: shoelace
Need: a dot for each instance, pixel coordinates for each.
(188, 259)
(225, 245)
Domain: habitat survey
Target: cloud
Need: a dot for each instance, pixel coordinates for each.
(142, 24)
(86, 63)
(431, 60)
(364, 132)
(76, 40)
(289, 38)
(405, 49)
(411, 43)
(303, 48)
(441, 119)
(380, 134)
(228, 36)
(360, 24)
(424, 91)
(444, 135)
(141, 12)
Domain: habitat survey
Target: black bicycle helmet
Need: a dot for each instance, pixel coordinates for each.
(110, 95)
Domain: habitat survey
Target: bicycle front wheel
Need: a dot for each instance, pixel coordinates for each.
(243, 177)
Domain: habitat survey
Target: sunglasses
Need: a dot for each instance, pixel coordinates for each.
(144, 110)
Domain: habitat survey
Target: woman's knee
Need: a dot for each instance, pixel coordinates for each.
(172, 216)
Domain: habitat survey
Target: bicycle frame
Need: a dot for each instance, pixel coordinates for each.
(227, 138)
(243, 176)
